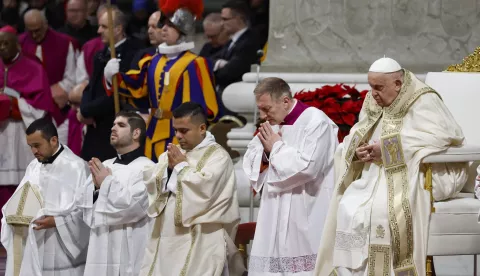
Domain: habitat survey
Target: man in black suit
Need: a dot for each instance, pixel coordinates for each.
(97, 107)
(217, 37)
(234, 60)
(237, 56)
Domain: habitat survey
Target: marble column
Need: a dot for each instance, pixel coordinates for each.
(346, 36)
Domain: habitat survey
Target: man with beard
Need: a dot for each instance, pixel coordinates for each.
(114, 202)
(57, 237)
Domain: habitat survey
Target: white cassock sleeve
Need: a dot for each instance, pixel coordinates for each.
(202, 195)
(69, 79)
(73, 232)
(121, 201)
(292, 166)
(29, 113)
(81, 71)
(448, 179)
(252, 161)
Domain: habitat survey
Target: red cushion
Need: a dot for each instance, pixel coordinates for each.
(5, 104)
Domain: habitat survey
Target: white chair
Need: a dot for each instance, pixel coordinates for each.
(454, 228)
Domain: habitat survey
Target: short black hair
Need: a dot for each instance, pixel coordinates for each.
(239, 8)
(193, 110)
(45, 126)
(135, 121)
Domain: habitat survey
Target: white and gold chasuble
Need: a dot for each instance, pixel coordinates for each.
(196, 215)
(379, 214)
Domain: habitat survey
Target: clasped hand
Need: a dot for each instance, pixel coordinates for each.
(44, 223)
(175, 156)
(99, 171)
(369, 153)
(268, 137)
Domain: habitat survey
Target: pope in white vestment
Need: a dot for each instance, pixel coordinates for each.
(378, 217)
(55, 243)
(193, 198)
(116, 207)
(295, 177)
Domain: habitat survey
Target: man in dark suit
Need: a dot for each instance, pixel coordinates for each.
(97, 108)
(234, 60)
(216, 35)
(237, 56)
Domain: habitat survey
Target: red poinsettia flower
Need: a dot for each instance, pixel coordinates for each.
(341, 103)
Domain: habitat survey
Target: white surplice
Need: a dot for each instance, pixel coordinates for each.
(16, 154)
(118, 219)
(59, 251)
(196, 215)
(295, 193)
(358, 238)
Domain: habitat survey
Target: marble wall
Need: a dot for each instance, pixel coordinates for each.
(346, 36)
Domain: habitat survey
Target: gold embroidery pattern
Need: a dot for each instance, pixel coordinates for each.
(393, 160)
(23, 198)
(19, 220)
(353, 145)
(187, 260)
(152, 266)
(179, 196)
(373, 253)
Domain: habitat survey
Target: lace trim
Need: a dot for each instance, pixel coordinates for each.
(344, 240)
(282, 264)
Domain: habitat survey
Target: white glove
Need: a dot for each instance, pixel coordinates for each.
(112, 68)
(220, 64)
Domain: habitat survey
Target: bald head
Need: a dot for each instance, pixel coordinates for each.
(154, 32)
(36, 24)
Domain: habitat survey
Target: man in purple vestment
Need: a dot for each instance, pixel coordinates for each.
(25, 92)
(57, 52)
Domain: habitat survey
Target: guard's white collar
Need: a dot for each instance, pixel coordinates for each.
(165, 49)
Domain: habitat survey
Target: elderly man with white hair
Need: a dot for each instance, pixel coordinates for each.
(215, 33)
(378, 216)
